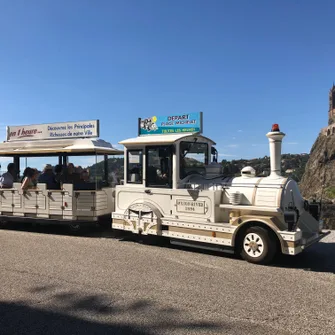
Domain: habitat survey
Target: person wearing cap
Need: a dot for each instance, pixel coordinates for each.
(48, 177)
(7, 179)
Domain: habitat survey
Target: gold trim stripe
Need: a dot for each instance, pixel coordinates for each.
(292, 244)
(206, 233)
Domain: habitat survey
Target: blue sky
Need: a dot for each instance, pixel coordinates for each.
(245, 64)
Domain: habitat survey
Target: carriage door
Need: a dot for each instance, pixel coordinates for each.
(159, 175)
(159, 167)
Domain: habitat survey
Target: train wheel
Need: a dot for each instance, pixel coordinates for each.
(257, 246)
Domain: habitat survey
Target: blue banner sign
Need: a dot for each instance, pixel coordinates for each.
(172, 124)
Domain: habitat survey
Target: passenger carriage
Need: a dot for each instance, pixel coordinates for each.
(76, 203)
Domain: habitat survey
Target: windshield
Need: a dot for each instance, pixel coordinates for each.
(193, 158)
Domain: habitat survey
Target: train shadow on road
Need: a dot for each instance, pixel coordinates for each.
(318, 258)
(54, 229)
(69, 314)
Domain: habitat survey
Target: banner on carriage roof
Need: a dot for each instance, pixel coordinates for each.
(171, 124)
(80, 129)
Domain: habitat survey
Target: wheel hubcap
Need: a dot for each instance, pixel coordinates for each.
(253, 245)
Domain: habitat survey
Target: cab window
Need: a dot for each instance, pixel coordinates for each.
(135, 166)
(159, 166)
(193, 158)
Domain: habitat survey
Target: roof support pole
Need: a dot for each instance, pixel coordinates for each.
(65, 160)
(176, 166)
(96, 175)
(16, 161)
(106, 168)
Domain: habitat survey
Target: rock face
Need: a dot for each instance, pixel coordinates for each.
(319, 177)
(320, 168)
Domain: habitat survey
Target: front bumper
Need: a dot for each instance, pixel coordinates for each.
(294, 243)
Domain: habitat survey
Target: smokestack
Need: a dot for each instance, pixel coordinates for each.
(275, 137)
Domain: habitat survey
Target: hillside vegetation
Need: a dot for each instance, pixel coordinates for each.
(293, 165)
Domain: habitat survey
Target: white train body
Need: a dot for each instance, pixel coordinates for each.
(173, 187)
(255, 216)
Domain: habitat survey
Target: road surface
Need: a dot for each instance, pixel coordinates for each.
(55, 283)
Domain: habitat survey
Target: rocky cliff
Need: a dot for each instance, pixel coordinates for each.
(319, 177)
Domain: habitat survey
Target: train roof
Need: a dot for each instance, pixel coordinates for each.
(163, 139)
(82, 146)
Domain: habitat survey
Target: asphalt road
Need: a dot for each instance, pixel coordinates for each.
(55, 283)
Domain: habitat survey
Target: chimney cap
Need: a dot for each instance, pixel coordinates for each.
(275, 127)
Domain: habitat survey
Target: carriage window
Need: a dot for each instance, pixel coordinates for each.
(159, 166)
(193, 158)
(134, 166)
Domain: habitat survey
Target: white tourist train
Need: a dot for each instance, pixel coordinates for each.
(173, 187)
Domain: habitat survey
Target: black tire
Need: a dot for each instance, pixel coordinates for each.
(260, 238)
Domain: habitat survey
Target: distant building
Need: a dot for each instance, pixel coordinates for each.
(331, 112)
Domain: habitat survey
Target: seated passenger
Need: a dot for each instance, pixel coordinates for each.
(160, 175)
(114, 177)
(7, 179)
(78, 169)
(71, 176)
(84, 176)
(36, 176)
(29, 179)
(48, 177)
(59, 175)
(25, 172)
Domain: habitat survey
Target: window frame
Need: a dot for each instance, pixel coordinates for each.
(170, 181)
(207, 156)
(140, 151)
